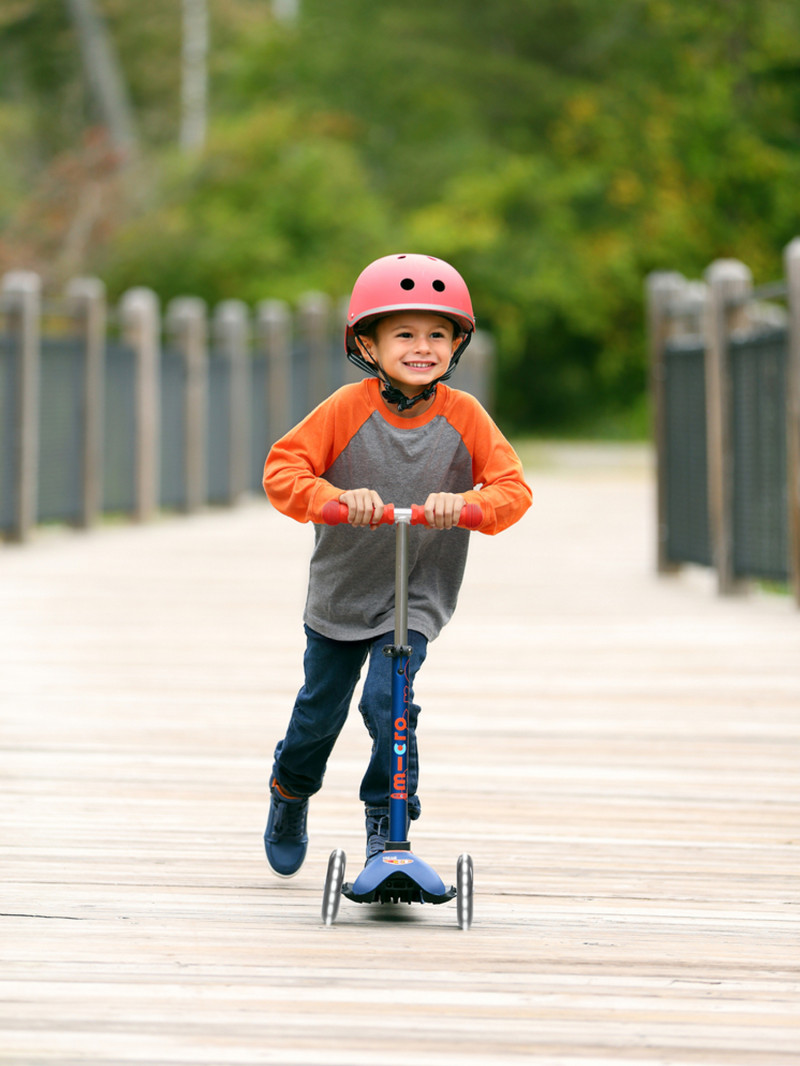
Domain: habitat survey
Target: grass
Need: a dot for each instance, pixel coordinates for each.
(610, 439)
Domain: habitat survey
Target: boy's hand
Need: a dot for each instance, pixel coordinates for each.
(364, 507)
(443, 509)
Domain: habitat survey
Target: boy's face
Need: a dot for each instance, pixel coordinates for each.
(413, 348)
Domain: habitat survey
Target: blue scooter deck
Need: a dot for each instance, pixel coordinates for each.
(398, 877)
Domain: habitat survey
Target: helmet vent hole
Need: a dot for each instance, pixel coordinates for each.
(407, 283)
(439, 286)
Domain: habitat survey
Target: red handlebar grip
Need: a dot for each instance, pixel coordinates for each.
(334, 513)
(470, 518)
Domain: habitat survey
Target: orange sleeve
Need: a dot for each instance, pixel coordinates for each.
(504, 496)
(293, 471)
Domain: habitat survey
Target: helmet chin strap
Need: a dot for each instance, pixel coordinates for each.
(399, 399)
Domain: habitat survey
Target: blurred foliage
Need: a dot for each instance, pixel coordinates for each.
(278, 205)
(555, 151)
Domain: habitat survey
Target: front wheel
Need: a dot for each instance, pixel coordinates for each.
(464, 877)
(334, 880)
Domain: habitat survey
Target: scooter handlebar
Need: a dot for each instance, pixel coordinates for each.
(335, 513)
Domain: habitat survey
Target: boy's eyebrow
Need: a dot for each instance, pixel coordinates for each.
(434, 325)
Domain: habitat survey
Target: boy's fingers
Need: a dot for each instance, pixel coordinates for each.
(361, 512)
(364, 507)
(458, 506)
(433, 511)
(442, 509)
(377, 512)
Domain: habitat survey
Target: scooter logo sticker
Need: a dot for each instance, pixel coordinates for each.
(400, 750)
(393, 860)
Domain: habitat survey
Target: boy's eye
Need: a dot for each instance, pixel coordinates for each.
(407, 334)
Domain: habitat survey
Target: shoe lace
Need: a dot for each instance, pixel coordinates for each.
(290, 818)
(377, 831)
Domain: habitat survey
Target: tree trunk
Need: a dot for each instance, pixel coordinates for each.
(104, 75)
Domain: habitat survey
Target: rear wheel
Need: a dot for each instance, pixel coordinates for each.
(464, 877)
(334, 879)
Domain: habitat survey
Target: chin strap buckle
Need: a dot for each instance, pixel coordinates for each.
(403, 402)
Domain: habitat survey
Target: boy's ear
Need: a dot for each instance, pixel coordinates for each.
(365, 341)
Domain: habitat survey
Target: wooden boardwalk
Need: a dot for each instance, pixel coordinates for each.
(619, 753)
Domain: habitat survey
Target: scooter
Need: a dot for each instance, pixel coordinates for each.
(397, 875)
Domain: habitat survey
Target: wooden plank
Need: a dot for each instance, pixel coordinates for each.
(617, 751)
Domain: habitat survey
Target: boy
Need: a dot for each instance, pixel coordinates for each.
(398, 437)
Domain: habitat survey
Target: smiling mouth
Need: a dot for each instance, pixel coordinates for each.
(419, 366)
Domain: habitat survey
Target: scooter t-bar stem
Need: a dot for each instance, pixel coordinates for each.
(335, 513)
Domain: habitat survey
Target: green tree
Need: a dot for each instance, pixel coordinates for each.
(555, 150)
(279, 204)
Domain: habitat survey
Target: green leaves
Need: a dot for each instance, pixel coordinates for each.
(555, 150)
(277, 206)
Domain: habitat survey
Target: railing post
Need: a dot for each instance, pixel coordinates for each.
(87, 300)
(661, 289)
(792, 269)
(22, 291)
(475, 365)
(730, 283)
(140, 321)
(274, 333)
(313, 319)
(232, 336)
(187, 321)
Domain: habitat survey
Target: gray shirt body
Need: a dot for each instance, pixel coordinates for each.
(352, 573)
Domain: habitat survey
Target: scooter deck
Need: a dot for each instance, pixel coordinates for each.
(398, 877)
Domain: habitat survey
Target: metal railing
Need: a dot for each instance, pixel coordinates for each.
(725, 372)
(130, 411)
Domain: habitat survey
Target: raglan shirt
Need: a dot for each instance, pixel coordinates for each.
(351, 441)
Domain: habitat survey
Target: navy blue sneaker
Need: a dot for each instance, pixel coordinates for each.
(377, 819)
(285, 838)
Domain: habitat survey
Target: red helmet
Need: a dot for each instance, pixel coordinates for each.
(408, 283)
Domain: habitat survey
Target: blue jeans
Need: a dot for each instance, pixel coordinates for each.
(332, 670)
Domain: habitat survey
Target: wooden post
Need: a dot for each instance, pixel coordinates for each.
(313, 319)
(730, 283)
(274, 332)
(478, 362)
(661, 289)
(232, 335)
(792, 267)
(87, 300)
(140, 320)
(22, 291)
(187, 320)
